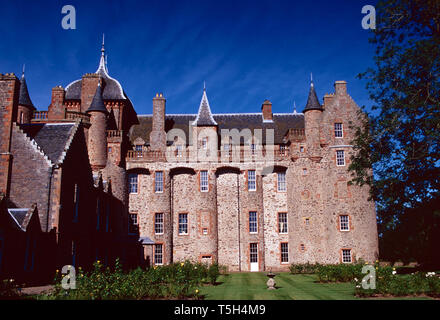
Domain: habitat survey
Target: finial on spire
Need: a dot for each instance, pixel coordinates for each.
(294, 106)
(103, 49)
(204, 85)
(24, 67)
(311, 79)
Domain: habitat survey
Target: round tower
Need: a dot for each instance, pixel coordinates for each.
(97, 146)
(312, 121)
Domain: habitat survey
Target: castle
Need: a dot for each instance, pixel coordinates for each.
(252, 191)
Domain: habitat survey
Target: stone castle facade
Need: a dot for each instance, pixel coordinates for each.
(252, 191)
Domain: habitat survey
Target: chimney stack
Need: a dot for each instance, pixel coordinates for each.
(340, 88)
(266, 109)
(158, 137)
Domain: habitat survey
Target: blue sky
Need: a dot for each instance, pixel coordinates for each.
(246, 51)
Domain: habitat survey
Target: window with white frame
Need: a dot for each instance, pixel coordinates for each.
(253, 252)
(179, 151)
(252, 180)
(346, 255)
(158, 223)
(281, 177)
(284, 252)
(340, 158)
(133, 182)
(282, 222)
(132, 223)
(158, 254)
(344, 223)
(183, 223)
(158, 181)
(338, 130)
(253, 225)
(204, 185)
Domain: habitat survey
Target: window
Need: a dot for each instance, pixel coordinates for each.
(21, 117)
(307, 221)
(183, 223)
(179, 151)
(204, 181)
(109, 149)
(340, 158)
(204, 143)
(304, 171)
(346, 255)
(253, 226)
(98, 213)
(283, 149)
(344, 223)
(284, 252)
(158, 181)
(253, 148)
(75, 202)
(205, 231)
(253, 252)
(138, 147)
(133, 223)
(252, 185)
(301, 149)
(158, 254)
(282, 222)
(302, 247)
(158, 223)
(281, 176)
(133, 182)
(338, 130)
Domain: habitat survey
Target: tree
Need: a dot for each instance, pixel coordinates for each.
(400, 138)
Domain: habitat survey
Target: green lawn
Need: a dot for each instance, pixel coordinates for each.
(252, 286)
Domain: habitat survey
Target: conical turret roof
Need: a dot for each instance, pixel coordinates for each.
(204, 116)
(24, 98)
(312, 100)
(97, 102)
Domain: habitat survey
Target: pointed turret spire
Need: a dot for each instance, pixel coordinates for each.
(312, 100)
(97, 102)
(294, 107)
(103, 60)
(204, 116)
(24, 98)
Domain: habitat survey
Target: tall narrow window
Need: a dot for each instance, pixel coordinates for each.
(281, 176)
(338, 130)
(98, 213)
(158, 223)
(133, 182)
(283, 149)
(179, 151)
(133, 223)
(158, 181)
(183, 223)
(284, 252)
(340, 158)
(21, 117)
(253, 252)
(75, 203)
(253, 225)
(252, 185)
(346, 255)
(282, 222)
(204, 181)
(204, 143)
(344, 223)
(253, 148)
(158, 254)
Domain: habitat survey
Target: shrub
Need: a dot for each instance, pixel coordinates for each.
(213, 273)
(306, 268)
(8, 289)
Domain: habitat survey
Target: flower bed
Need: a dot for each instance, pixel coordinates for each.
(176, 281)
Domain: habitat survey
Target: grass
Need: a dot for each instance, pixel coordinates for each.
(252, 286)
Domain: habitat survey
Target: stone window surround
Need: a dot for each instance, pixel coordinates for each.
(133, 183)
(155, 253)
(248, 180)
(342, 255)
(201, 185)
(160, 223)
(281, 252)
(339, 130)
(256, 221)
(348, 223)
(278, 182)
(340, 157)
(183, 223)
(278, 220)
(158, 183)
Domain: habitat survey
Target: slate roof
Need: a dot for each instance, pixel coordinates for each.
(204, 116)
(282, 122)
(97, 102)
(312, 100)
(24, 98)
(51, 137)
